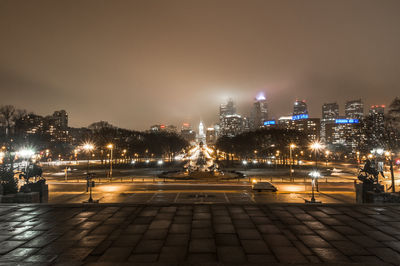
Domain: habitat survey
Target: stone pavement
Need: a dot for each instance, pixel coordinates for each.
(199, 234)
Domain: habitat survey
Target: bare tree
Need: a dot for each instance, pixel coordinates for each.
(7, 116)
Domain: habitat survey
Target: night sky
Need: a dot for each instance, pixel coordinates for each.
(138, 63)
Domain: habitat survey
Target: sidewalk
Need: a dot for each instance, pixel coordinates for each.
(219, 234)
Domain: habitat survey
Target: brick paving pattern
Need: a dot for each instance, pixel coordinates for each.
(176, 234)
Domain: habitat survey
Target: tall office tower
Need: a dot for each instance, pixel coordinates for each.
(300, 108)
(330, 111)
(376, 123)
(354, 109)
(259, 113)
(227, 109)
(232, 125)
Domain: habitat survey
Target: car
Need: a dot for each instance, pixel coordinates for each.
(266, 186)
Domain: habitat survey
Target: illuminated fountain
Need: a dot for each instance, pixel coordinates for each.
(200, 159)
(201, 164)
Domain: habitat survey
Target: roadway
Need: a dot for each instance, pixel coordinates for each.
(161, 192)
(141, 185)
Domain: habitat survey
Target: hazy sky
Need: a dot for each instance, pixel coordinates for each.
(138, 63)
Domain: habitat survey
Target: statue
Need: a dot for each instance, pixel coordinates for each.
(368, 175)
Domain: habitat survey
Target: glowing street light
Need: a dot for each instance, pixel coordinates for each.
(314, 178)
(25, 153)
(111, 147)
(327, 153)
(291, 147)
(88, 147)
(316, 146)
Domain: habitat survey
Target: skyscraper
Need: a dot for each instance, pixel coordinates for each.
(330, 111)
(376, 123)
(354, 109)
(230, 122)
(259, 112)
(300, 108)
(226, 109)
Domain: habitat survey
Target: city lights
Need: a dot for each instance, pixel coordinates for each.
(316, 146)
(315, 174)
(25, 153)
(88, 146)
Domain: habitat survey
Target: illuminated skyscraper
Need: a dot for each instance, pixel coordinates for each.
(259, 112)
(330, 111)
(226, 109)
(354, 109)
(300, 108)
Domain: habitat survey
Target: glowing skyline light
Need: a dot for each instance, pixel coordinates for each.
(261, 97)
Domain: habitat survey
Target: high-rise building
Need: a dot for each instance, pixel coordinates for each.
(226, 109)
(230, 122)
(300, 108)
(343, 133)
(354, 109)
(376, 124)
(330, 111)
(232, 125)
(308, 126)
(259, 113)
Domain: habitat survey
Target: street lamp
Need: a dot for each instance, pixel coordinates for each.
(327, 157)
(111, 147)
(291, 147)
(88, 147)
(314, 177)
(316, 146)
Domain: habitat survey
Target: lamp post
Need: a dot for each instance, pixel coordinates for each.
(327, 157)
(88, 147)
(314, 176)
(291, 147)
(111, 147)
(316, 147)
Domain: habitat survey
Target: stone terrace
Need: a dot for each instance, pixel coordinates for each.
(122, 234)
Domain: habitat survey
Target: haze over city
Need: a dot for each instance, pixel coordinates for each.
(138, 63)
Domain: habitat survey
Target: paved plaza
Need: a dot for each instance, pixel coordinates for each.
(199, 234)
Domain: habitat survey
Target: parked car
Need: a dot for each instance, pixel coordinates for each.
(266, 186)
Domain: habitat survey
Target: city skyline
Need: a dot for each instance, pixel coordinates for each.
(179, 61)
(193, 123)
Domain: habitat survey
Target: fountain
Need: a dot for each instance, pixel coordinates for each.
(201, 164)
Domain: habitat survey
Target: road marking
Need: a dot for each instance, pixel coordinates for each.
(176, 198)
(152, 197)
(226, 197)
